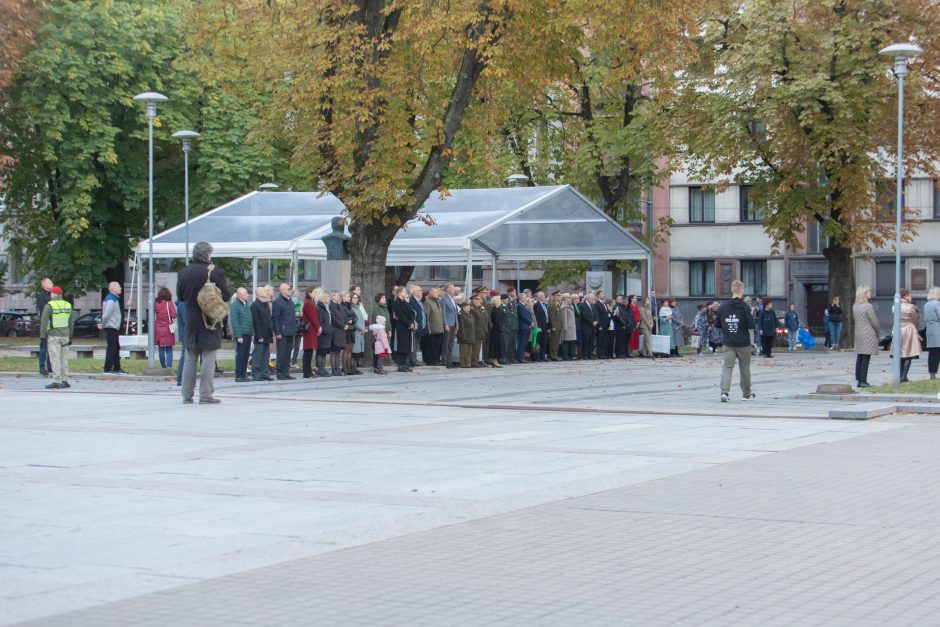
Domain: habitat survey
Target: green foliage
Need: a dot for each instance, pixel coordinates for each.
(76, 199)
(559, 272)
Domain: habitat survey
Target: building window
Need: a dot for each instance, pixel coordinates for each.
(701, 278)
(750, 213)
(816, 243)
(885, 279)
(754, 276)
(936, 202)
(701, 204)
(886, 195)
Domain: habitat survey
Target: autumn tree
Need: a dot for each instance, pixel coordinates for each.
(18, 27)
(793, 98)
(371, 94)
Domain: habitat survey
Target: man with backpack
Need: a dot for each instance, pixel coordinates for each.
(205, 291)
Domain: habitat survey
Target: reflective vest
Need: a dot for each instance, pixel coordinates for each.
(61, 312)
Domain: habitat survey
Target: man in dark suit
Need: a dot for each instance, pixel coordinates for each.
(285, 328)
(588, 325)
(540, 309)
(421, 320)
(263, 335)
(200, 341)
(603, 326)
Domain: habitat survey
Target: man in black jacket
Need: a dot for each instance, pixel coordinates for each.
(404, 340)
(588, 325)
(263, 335)
(200, 341)
(540, 309)
(736, 323)
(285, 328)
(603, 326)
(43, 296)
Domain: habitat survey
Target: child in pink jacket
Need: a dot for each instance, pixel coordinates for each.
(382, 347)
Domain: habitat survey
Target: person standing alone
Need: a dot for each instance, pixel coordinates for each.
(111, 324)
(767, 328)
(736, 322)
(202, 340)
(56, 324)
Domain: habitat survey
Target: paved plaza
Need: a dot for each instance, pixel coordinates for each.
(598, 493)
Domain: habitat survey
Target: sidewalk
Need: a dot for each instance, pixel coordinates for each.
(115, 490)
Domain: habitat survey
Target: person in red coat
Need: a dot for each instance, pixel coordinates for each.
(164, 315)
(311, 321)
(634, 343)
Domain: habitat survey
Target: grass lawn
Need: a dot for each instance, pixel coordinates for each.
(925, 386)
(18, 342)
(90, 366)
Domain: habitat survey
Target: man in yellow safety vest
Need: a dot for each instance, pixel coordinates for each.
(56, 326)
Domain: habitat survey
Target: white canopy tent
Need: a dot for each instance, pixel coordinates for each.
(467, 227)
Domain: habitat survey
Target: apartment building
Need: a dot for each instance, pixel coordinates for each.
(718, 237)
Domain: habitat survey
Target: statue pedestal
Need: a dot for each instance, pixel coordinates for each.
(334, 275)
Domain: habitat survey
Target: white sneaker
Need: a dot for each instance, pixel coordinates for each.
(749, 397)
(724, 398)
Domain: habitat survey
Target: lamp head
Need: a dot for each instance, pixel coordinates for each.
(151, 98)
(187, 138)
(901, 50)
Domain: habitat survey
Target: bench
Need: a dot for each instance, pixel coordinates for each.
(34, 352)
(83, 352)
(135, 345)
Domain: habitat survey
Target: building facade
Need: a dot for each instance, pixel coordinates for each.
(717, 237)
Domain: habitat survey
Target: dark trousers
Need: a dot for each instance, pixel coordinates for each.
(284, 347)
(259, 360)
(543, 344)
(603, 339)
(241, 357)
(308, 362)
(507, 346)
(449, 338)
(587, 345)
(766, 344)
(298, 340)
(522, 343)
(620, 342)
(568, 350)
(861, 367)
(933, 360)
(45, 364)
(435, 349)
(112, 355)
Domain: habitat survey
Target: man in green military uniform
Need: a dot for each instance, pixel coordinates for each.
(556, 322)
(466, 334)
(482, 322)
(508, 324)
(55, 326)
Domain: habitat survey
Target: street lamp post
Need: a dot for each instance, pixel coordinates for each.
(187, 138)
(151, 99)
(902, 54)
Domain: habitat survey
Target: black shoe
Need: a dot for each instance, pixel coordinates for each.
(119, 371)
(187, 401)
(257, 378)
(323, 373)
(54, 386)
(864, 384)
(356, 371)
(267, 378)
(209, 401)
(241, 380)
(65, 384)
(43, 372)
(179, 384)
(402, 368)
(284, 377)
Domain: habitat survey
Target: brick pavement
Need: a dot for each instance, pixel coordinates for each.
(238, 512)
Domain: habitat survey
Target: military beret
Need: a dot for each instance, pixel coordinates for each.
(504, 296)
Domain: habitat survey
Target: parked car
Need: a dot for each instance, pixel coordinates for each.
(19, 324)
(87, 325)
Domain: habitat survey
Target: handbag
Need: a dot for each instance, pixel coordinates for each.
(695, 341)
(173, 326)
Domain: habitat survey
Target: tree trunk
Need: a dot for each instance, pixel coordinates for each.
(368, 250)
(842, 284)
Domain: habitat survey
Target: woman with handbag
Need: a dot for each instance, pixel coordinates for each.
(164, 326)
(910, 339)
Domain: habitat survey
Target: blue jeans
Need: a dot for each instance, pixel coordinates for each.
(791, 338)
(166, 356)
(835, 332)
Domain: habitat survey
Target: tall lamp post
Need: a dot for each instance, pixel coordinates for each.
(187, 138)
(151, 98)
(902, 53)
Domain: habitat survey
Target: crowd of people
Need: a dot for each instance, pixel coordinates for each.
(329, 332)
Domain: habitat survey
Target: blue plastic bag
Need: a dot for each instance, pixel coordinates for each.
(806, 339)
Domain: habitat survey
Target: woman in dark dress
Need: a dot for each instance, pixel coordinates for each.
(340, 325)
(404, 327)
(325, 339)
(350, 320)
